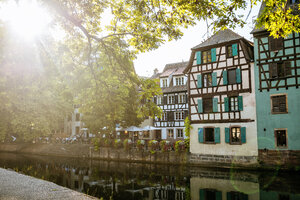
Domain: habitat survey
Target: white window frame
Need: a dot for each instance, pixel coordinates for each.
(181, 98)
(177, 133)
(171, 99)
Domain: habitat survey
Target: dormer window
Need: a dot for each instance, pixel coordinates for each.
(164, 82)
(179, 80)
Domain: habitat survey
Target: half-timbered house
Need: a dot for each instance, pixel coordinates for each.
(277, 80)
(222, 99)
(173, 102)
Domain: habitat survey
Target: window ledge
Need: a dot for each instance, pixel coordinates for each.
(276, 113)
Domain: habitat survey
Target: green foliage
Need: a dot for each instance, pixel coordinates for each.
(153, 145)
(162, 145)
(179, 146)
(140, 144)
(96, 143)
(187, 130)
(127, 144)
(118, 143)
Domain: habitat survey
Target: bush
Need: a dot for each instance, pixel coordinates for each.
(162, 145)
(153, 145)
(96, 143)
(140, 144)
(179, 146)
(187, 144)
(118, 143)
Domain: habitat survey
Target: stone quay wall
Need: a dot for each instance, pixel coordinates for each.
(266, 159)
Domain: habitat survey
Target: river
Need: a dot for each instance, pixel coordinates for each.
(125, 181)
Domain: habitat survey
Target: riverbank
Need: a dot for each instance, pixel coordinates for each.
(18, 186)
(134, 155)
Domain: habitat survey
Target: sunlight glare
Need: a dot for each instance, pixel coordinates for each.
(26, 18)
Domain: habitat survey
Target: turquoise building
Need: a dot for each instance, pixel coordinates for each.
(277, 81)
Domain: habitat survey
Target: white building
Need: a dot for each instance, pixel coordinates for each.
(222, 99)
(173, 102)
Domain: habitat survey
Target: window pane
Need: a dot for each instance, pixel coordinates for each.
(281, 138)
(231, 76)
(209, 135)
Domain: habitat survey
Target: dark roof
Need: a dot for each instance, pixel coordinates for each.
(218, 38)
(154, 76)
(256, 30)
(174, 68)
(179, 88)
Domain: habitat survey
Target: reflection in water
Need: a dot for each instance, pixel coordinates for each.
(118, 180)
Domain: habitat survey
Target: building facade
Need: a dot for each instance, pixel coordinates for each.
(73, 123)
(277, 81)
(173, 102)
(222, 99)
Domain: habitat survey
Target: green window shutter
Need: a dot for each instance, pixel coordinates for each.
(214, 79)
(218, 195)
(240, 102)
(227, 135)
(200, 135)
(234, 50)
(215, 105)
(199, 81)
(217, 135)
(238, 75)
(198, 55)
(226, 104)
(213, 55)
(200, 106)
(243, 134)
(228, 195)
(225, 81)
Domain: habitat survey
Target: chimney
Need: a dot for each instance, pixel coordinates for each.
(155, 71)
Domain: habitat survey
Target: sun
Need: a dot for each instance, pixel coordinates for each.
(26, 18)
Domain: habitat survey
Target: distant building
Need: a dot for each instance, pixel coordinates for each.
(173, 102)
(73, 123)
(222, 99)
(277, 81)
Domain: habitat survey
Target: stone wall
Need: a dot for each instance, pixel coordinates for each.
(285, 158)
(140, 156)
(223, 160)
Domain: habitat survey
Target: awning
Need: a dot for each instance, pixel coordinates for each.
(150, 128)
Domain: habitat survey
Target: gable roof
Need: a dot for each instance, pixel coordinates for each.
(218, 38)
(256, 30)
(174, 69)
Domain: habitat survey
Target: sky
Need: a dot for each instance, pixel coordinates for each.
(180, 50)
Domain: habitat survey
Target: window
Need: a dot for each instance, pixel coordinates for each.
(164, 82)
(280, 136)
(179, 115)
(233, 104)
(210, 194)
(171, 99)
(207, 105)
(275, 43)
(170, 133)
(159, 100)
(236, 195)
(280, 70)
(207, 80)
(179, 81)
(181, 98)
(229, 51)
(279, 104)
(180, 133)
(235, 135)
(164, 116)
(206, 57)
(77, 118)
(209, 135)
(232, 76)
